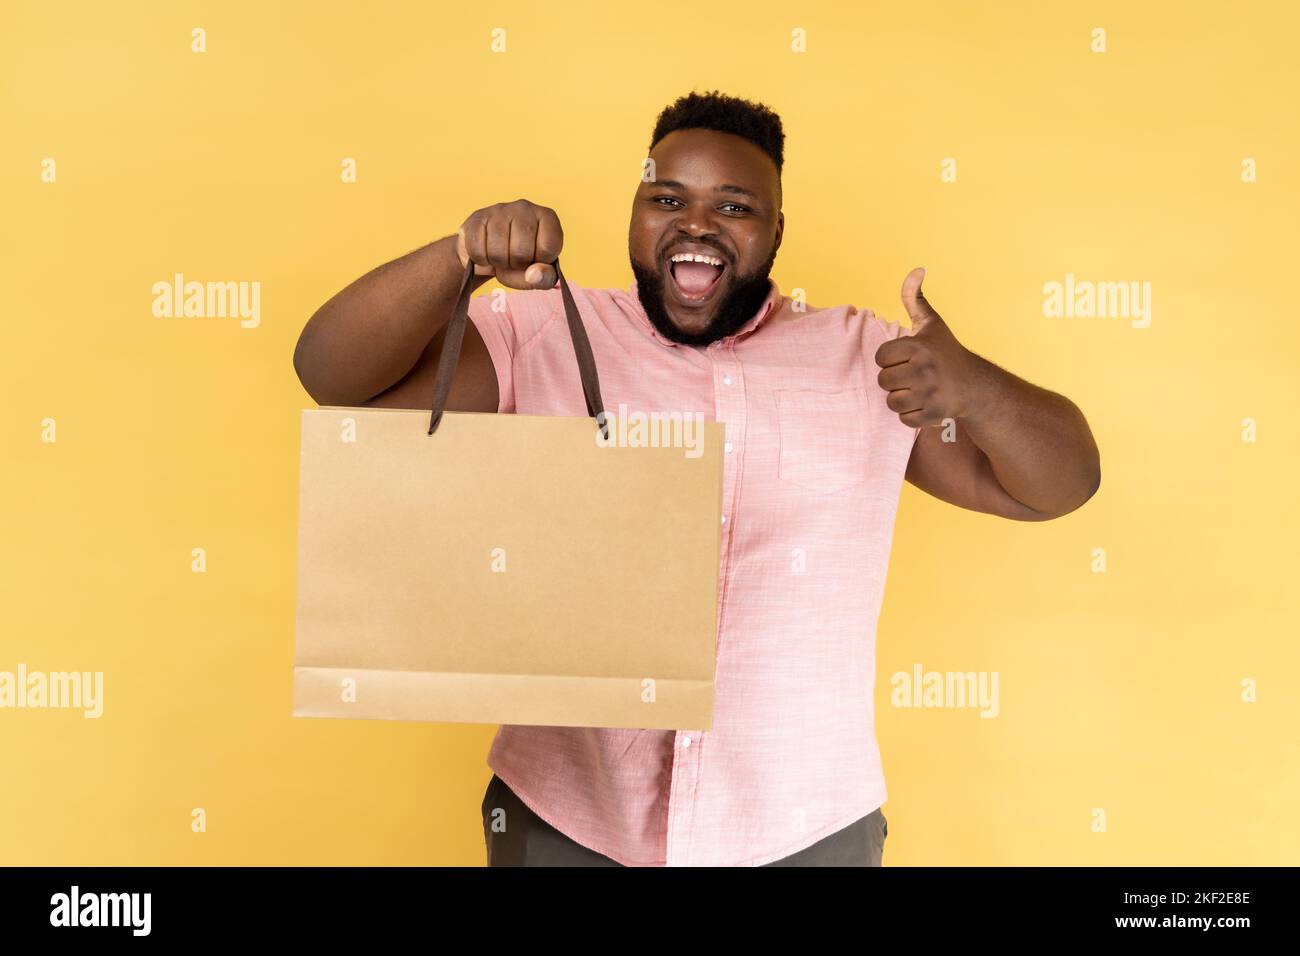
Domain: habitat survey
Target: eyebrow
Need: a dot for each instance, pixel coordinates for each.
(724, 188)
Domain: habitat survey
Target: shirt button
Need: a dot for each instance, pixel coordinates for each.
(726, 380)
(724, 519)
(686, 741)
(727, 448)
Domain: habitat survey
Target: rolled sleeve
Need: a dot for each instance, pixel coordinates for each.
(508, 322)
(493, 316)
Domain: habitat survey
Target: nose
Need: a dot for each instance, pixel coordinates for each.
(697, 220)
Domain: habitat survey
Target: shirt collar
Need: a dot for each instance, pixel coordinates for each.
(765, 312)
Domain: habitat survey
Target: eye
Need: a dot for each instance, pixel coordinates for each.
(660, 200)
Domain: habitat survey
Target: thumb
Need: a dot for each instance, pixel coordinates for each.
(540, 275)
(914, 301)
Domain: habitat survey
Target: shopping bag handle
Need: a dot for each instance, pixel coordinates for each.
(456, 334)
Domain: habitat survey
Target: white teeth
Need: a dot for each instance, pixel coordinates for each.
(695, 257)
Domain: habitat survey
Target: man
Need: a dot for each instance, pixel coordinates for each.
(826, 411)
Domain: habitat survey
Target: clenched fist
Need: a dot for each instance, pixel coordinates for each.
(929, 375)
(515, 241)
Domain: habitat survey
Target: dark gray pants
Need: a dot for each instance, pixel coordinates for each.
(528, 840)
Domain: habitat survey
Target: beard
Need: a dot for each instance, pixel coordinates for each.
(740, 304)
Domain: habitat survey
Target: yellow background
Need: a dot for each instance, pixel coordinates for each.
(1119, 691)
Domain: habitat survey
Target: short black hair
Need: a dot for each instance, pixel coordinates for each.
(725, 114)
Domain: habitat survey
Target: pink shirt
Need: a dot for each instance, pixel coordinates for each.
(813, 466)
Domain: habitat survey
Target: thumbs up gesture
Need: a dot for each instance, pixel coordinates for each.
(929, 375)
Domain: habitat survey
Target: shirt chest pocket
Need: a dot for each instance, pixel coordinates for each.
(823, 437)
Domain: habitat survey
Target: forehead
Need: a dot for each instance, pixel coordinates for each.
(703, 159)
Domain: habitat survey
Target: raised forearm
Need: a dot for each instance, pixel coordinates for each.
(369, 335)
(1038, 443)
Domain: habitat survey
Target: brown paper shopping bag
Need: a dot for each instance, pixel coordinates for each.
(506, 568)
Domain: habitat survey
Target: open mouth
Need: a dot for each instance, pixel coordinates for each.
(695, 276)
